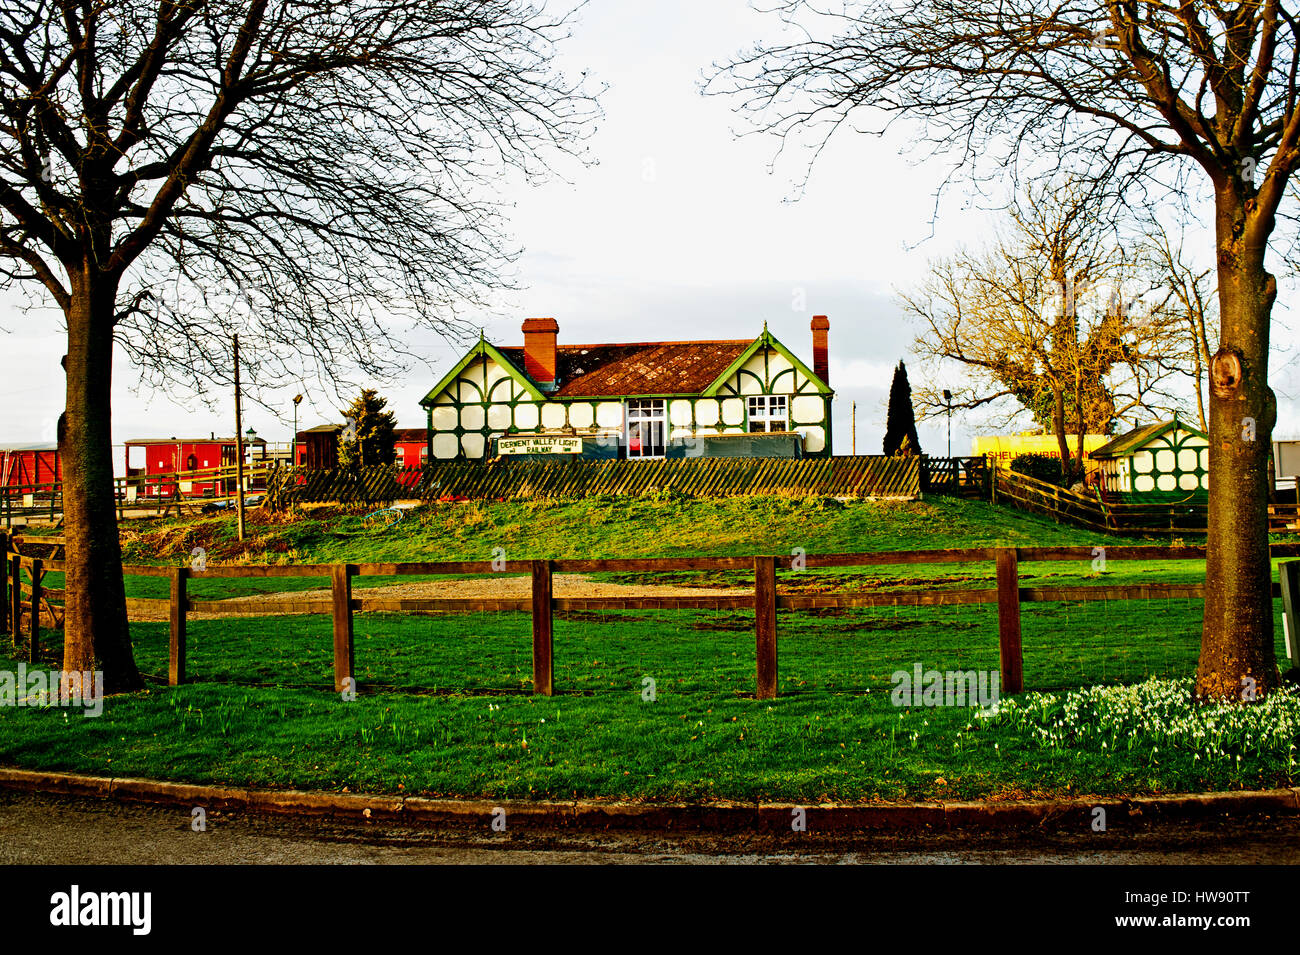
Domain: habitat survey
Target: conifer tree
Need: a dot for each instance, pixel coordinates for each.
(367, 436)
(900, 425)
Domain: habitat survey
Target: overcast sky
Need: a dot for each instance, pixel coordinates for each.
(680, 231)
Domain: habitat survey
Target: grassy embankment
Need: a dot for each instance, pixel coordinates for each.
(461, 722)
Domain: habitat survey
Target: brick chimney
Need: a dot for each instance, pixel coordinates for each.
(539, 350)
(821, 326)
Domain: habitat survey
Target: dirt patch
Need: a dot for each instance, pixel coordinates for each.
(478, 588)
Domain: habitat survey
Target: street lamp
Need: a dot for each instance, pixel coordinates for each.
(947, 398)
(251, 435)
(293, 444)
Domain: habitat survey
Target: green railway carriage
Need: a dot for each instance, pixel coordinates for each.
(1167, 462)
(744, 397)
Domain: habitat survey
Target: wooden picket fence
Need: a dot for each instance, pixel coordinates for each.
(1087, 510)
(955, 477)
(874, 476)
(765, 599)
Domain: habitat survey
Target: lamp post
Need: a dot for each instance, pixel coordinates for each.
(239, 451)
(947, 398)
(251, 435)
(293, 443)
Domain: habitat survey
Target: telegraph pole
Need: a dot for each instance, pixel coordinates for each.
(239, 450)
(853, 417)
(947, 399)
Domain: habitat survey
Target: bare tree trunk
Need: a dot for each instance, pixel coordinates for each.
(1058, 425)
(1200, 383)
(1237, 654)
(95, 626)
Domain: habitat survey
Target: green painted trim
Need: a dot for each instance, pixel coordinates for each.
(1136, 440)
(483, 348)
(767, 339)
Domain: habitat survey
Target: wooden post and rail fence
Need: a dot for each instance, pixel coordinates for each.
(1089, 511)
(765, 600)
(157, 492)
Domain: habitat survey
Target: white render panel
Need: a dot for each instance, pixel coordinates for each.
(609, 414)
(444, 417)
(733, 411)
(471, 417)
(807, 408)
(1142, 464)
(777, 363)
(582, 414)
(1187, 459)
(706, 414)
(526, 417)
(473, 445)
(552, 415)
(498, 417)
(469, 386)
(444, 446)
(1144, 482)
(814, 439)
(1166, 482)
(679, 413)
(1165, 462)
(502, 389)
(746, 384)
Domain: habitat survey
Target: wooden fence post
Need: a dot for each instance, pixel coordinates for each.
(15, 598)
(34, 638)
(1288, 575)
(543, 628)
(1009, 650)
(341, 587)
(4, 585)
(765, 626)
(176, 656)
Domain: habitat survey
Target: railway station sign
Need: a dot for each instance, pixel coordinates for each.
(539, 444)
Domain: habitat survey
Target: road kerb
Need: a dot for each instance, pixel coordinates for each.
(1075, 813)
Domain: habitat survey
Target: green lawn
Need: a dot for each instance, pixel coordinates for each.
(445, 709)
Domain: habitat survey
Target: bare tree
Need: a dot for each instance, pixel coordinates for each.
(1046, 316)
(1187, 305)
(1141, 94)
(312, 174)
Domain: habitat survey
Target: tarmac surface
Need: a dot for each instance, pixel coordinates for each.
(63, 830)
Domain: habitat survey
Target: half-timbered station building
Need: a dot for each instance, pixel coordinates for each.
(749, 397)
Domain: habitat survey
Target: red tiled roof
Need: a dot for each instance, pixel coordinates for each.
(410, 434)
(641, 368)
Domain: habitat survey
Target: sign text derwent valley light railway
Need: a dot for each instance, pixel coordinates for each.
(539, 444)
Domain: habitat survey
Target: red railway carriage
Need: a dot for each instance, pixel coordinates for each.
(412, 446)
(30, 465)
(146, 457)
(318, 447)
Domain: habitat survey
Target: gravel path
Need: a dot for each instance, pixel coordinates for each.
(502, 586)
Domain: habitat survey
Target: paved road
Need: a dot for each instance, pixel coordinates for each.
(57, 830)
